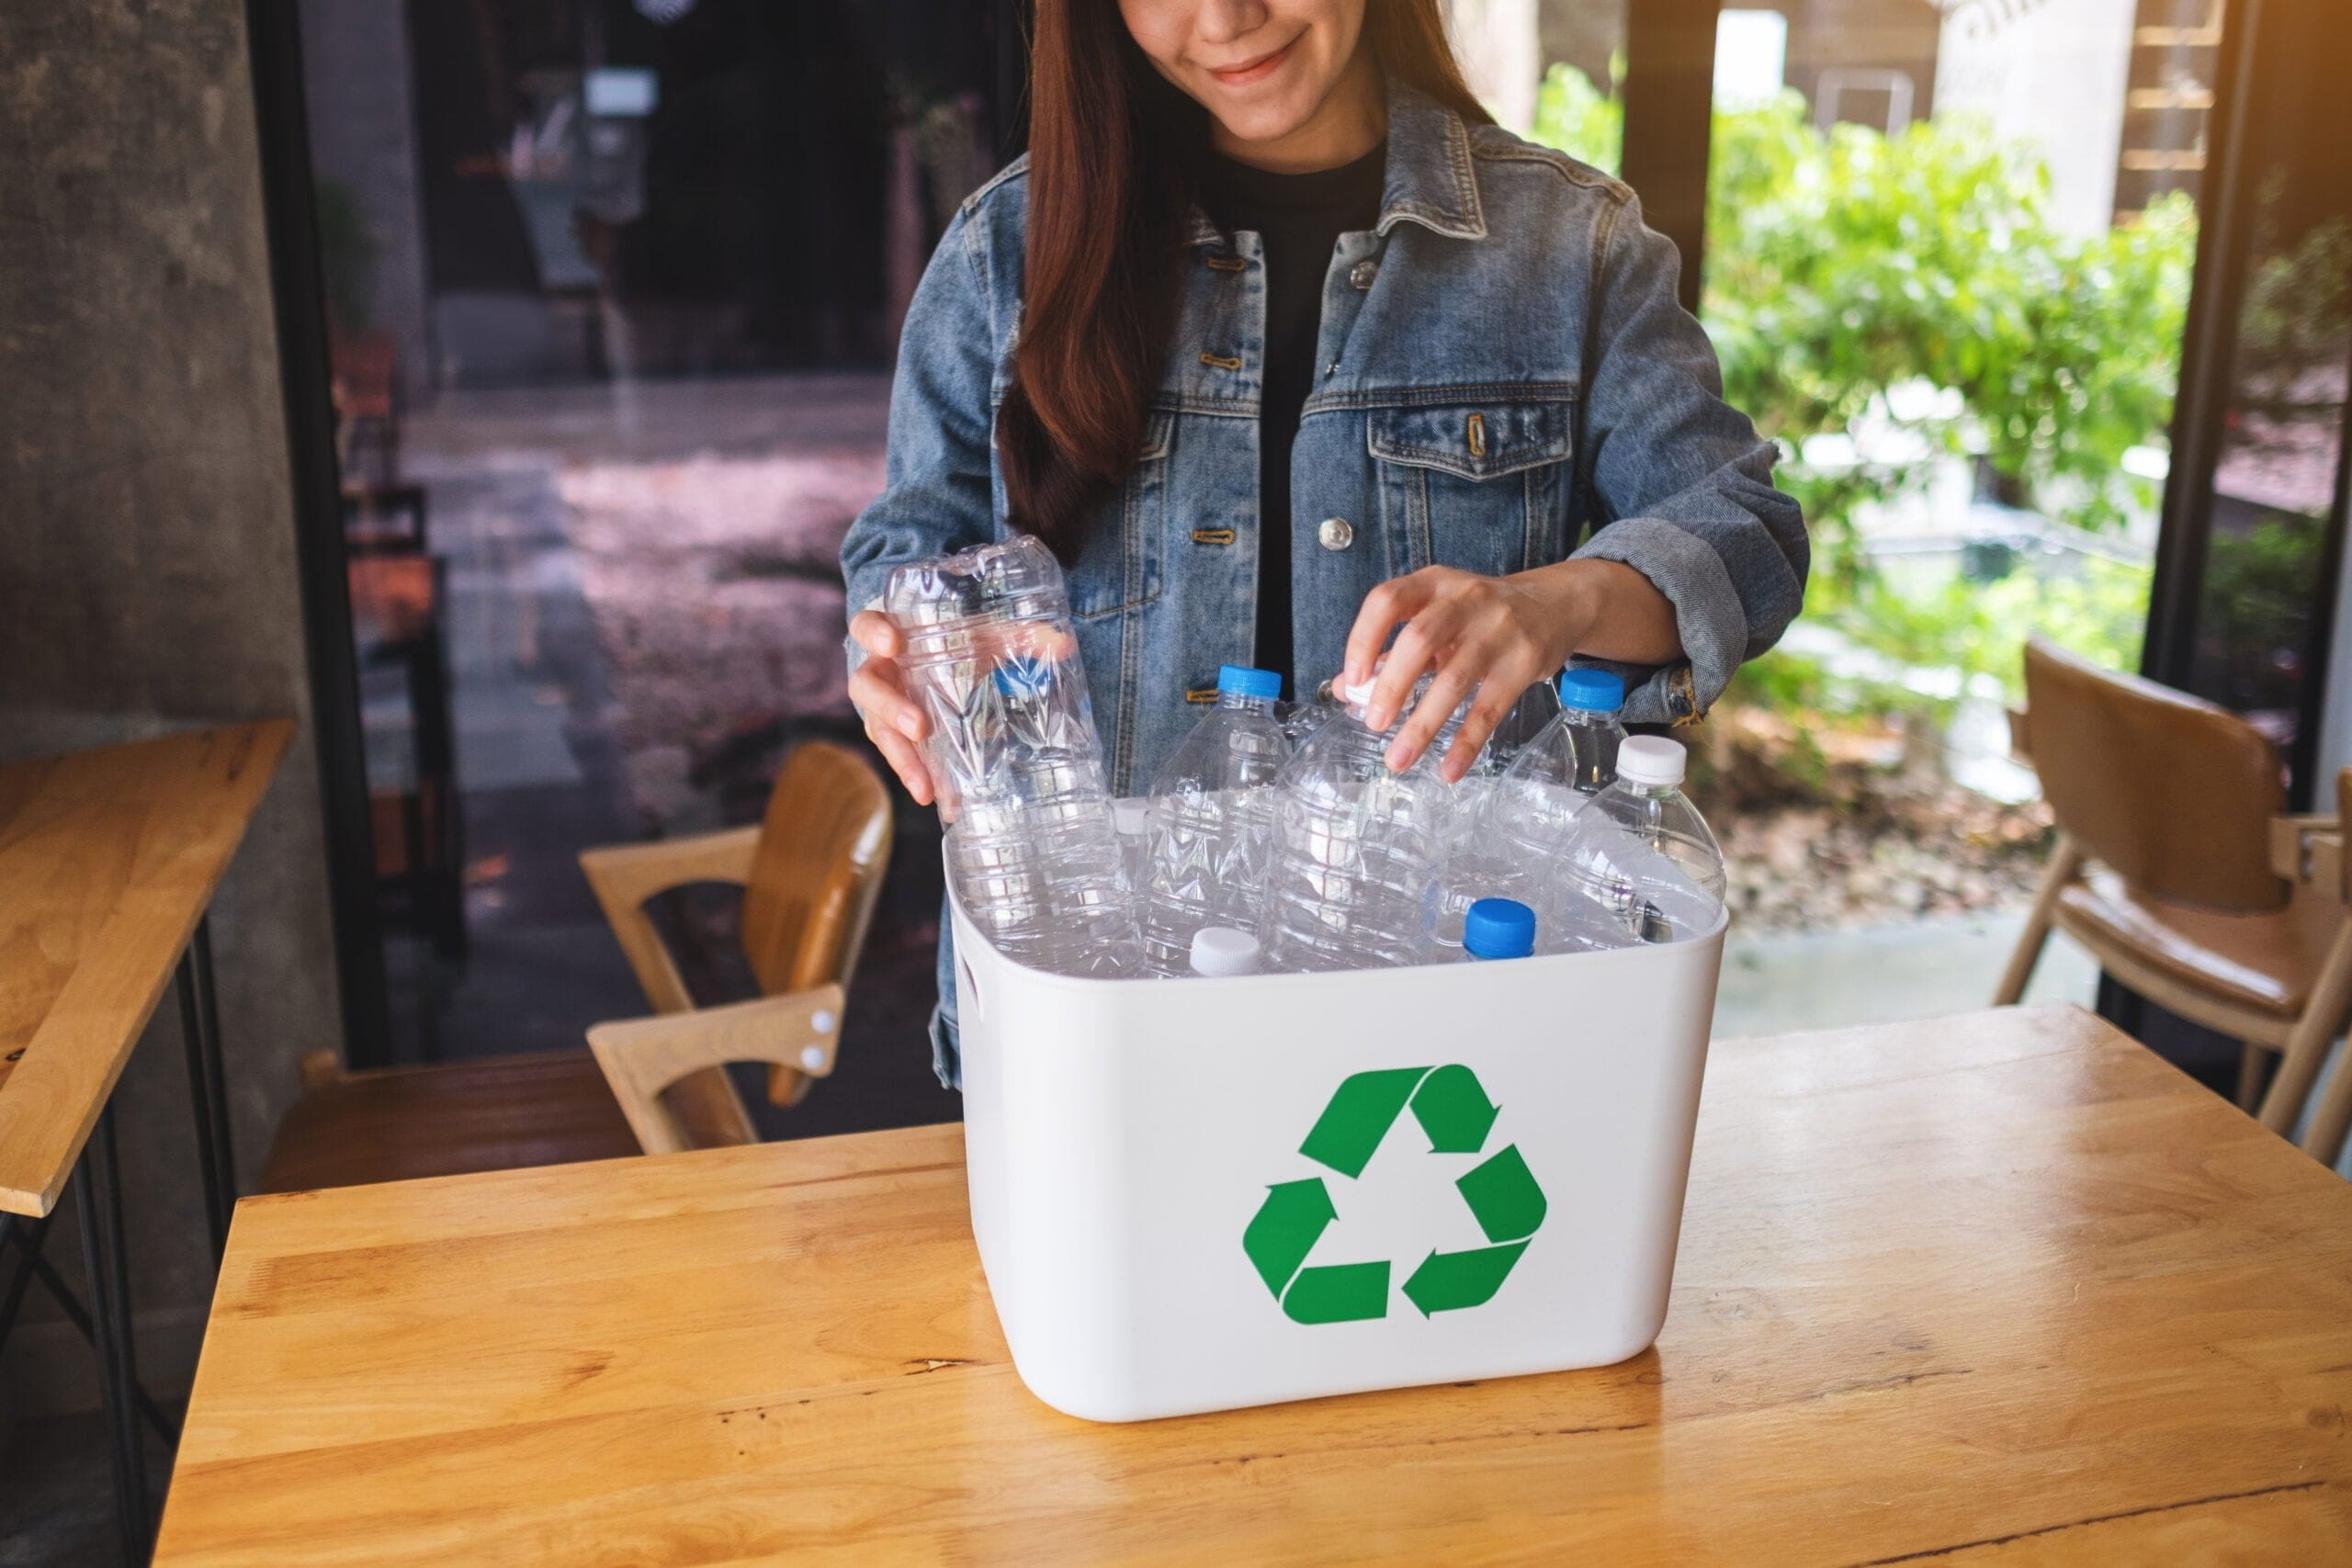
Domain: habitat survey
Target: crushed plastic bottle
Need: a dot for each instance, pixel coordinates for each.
(1212, 821)
(991, 656)
(1356, 851)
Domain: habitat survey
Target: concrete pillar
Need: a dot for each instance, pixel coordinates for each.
(147, 559)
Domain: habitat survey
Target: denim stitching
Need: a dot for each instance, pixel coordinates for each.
(1529, 392)
(1418, 553)
(1582, 175)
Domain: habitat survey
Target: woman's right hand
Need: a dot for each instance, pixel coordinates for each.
(894, 721)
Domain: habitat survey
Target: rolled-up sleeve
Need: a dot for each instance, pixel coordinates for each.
(1680, 483)
(936, 494)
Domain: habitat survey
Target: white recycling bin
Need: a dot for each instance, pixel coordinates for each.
(1202, 1194)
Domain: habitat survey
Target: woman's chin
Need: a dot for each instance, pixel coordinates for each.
(1256, 121)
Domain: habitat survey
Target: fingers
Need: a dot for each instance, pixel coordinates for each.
(894, 722)
(906, 761)
(1395, 600)
(1445, 693)
(1418, 649)
(876, 694)
(1498, 688)
(874, 632)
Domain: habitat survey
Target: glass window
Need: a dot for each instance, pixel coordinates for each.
(614, 289)
(1947, 262)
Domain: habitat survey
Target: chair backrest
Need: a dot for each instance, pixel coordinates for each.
(2174, 793)
(2344, 832)
(824, 846)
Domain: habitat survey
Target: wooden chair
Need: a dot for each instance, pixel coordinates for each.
(811, 874)
(2314, 850)
(2177, 868)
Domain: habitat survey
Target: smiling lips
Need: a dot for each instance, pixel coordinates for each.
(1256, 69)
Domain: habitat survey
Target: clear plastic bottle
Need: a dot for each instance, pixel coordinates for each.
(1302, 719)
(1578, 748)
(1528, 718)
(1131, 818)
(1356, 851)
(1510, 831)
(1213, 821)
(1640, 864)
(991, 656)
(1474, 863)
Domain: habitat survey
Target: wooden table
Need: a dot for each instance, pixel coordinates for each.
(108, 859)
(1998, 1288)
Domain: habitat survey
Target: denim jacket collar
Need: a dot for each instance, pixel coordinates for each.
(1429, 179)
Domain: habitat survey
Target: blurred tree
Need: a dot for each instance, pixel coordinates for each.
(1884, 304)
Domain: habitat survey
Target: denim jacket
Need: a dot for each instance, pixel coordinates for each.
(1505, 379)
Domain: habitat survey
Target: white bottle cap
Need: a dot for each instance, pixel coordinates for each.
(1650, 760)
(1129, 817)
(1220, 951)
(1355, 696)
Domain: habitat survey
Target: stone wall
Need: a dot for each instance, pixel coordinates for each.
(147, 555)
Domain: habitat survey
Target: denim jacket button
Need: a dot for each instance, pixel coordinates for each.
(1360, 275)
(1336, 534)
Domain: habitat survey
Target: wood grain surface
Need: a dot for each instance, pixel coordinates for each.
(108, 859)
(2002, 1288)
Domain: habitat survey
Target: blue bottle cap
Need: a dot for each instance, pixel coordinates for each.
(1240, 681)
(1594, 691)
(1498, 928)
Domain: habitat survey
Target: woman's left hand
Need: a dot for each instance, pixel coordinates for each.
(1494, 636)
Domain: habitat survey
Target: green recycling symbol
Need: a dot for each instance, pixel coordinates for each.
(1453, 1111)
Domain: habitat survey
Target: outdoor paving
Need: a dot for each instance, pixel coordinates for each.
(1778, 982)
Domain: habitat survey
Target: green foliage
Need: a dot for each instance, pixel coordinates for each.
(1572, 114)
(1972, 628)
(1912, 291)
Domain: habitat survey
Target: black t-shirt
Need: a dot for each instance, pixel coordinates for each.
(1299, 220)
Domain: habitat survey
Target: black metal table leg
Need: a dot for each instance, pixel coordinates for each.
(207, 1092)
(99, 1189)
(28, 1239)
(12, 1299)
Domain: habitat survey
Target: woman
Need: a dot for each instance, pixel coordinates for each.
(1283, 346)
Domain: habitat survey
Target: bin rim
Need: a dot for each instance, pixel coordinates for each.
(1086, 984)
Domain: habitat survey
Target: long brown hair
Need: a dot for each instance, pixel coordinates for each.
(1114, 154)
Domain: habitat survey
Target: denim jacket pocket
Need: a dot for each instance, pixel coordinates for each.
(1482, 485)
